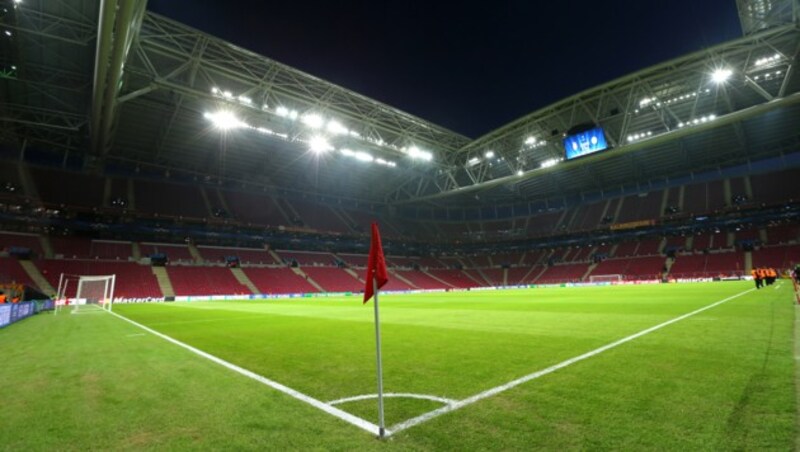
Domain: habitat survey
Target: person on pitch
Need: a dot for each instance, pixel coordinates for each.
(756, 277)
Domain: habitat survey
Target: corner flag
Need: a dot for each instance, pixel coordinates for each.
(376, 265)
(375, 279)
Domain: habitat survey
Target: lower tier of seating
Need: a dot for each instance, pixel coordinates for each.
(132, 280)
(205, 281)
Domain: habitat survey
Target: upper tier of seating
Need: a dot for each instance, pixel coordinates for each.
(169, 199)
(174, 252)
(307, 258)
(79, 189)
(219, 254)
(10, 240)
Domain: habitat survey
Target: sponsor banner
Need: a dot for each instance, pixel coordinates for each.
(5, 315)
(690, 280)
(632, 224)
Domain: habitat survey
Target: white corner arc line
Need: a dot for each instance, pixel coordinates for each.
(514, 383)
(405, 395)
(332, 410)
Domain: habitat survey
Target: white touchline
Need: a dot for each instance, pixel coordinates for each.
(502, 388)
(333, 411)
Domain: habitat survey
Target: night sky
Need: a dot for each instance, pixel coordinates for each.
(467, 66)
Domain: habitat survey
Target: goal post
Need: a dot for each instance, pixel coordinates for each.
(605, 278)
(88, 290)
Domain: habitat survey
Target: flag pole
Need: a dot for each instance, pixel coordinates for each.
(381, 426)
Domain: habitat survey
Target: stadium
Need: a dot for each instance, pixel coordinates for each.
(185, 232)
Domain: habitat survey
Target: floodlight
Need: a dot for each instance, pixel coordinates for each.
(336, 127)
(473, 161)
(550, 162)
(282, 111)
(520, 173)
(224, 120)
(417, 153)
(8, 33)
(319, 145)
(214, 90)
(363, 156)
(721, 75)
(489, 154)
(348, 152)
(245, 100)
(530, 140)
(313, 120)
(227, 94)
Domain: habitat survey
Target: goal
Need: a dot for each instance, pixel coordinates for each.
(605, 278)
(91, 292)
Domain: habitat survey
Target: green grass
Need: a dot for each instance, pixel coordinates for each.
(723, 379)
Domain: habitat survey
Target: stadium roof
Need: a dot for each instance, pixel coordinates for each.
(115, 83)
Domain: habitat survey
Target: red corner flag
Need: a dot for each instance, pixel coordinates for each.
(376, 265)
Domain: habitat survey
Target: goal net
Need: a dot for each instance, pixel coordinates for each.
(85, 292)
(605, 278)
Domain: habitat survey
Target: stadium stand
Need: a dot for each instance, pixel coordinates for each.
(246, 256)
(542, 225)
(507, 259)
(355, 260)
(516, 275)
(71, 247)
(562, 273)
(779, 257)
(644, 206)
(772, 188)
(421, 280)
(59, 188)
(205, 281)
(278, 281)
(319, 217)
(9, 240)
(334, 279)
(12, 272)
(783, 233)
(404, 262)
(169, 199)
(132, 281)
(174, 252)
(104, 249)
(453, 278)
(307, 258)
(649, 247)
(254, 208)
(493, 275)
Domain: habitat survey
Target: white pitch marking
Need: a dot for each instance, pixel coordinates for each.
(333, 411)
(405, 395)
(505, 387)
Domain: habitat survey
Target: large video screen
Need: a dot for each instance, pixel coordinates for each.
(584, 143)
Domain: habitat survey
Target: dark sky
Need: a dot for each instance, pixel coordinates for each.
(468, 66)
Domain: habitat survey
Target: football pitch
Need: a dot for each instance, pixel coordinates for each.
(689, 366)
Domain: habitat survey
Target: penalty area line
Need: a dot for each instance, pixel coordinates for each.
(514, 383)
(333, 411)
